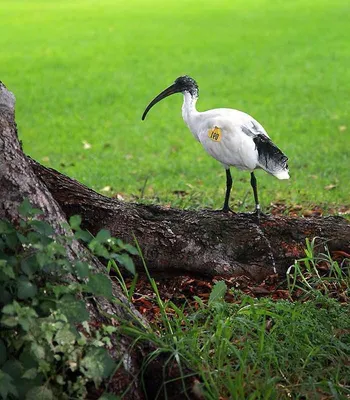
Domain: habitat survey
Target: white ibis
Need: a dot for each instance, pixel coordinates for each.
(230, 136)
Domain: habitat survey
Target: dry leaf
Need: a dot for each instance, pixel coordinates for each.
(86, 145)
(342, 128)
(45, 159)
(106, 189)
(330, 187)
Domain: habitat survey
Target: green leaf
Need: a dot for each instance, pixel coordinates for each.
(98, 249)
(218, 292)
(97, 364)
(7, 269)
(73, 309)
(83, 235)
(26, 289)
(43, 227)
(125, 260)
(12, 241)
(9, 321)
(65, 336)
(103, 236)
(6, 227)
(27, 360)
(60, 380)
(6, 385)
(30, 373)
(99, 285)
(9, 309)
(131, 249)
(29, 266)
(40, 393)
(26, 318)
(26, 209)
(82, 269)
(42, 259)
(14, 368)
(75, 222)
(37, 350)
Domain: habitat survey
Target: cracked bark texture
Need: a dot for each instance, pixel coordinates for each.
(201, 242)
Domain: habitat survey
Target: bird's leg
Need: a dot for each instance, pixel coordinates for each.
(255, 191)
(226, 207)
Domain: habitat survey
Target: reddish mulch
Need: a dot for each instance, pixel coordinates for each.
(183, 289)
(296, 210)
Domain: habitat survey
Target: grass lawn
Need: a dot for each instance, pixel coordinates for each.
(85, 70)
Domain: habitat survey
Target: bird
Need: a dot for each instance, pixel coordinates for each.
(232, 137)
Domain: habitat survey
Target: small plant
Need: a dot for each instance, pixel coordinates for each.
(319, 273)
(48, 349)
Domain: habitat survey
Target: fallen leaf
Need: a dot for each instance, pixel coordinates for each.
(259, 290)
(312, 213)
(86, 145)
(106, 189)
(45, 159)
(330, 187)
(342, 128)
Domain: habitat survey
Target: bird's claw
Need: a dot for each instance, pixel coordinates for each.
(227, 210)
(258, 213)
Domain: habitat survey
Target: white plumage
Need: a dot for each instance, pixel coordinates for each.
(232, 137)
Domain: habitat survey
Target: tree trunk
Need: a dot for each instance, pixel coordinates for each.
(18, 181)
(202, 242)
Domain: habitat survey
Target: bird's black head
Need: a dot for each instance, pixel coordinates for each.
(182, 84)
(186, 84)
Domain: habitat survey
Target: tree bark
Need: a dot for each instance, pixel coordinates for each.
(202, 242)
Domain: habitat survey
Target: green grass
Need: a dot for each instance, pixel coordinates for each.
(86, 69)
(260, 348)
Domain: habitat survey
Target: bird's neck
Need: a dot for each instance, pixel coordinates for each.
(189, 111)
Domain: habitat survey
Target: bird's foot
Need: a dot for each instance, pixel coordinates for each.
(227, 210)
(258, 213)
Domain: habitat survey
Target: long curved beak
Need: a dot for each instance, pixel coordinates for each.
(165, 93)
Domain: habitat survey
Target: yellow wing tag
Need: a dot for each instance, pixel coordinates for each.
(215, 134)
